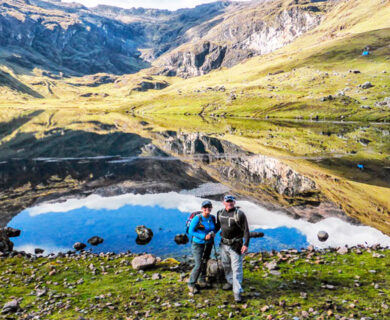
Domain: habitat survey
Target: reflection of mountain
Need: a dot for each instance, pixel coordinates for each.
(259, 177)
(22, 182)
(144, 165)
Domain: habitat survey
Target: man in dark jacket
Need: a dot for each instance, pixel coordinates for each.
(234, 227)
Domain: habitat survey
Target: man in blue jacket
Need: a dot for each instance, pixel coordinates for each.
(202, 230)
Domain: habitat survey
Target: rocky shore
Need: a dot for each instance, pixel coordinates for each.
(340, 283)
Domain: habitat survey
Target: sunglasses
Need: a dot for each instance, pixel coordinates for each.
(229, 201)
(208, 207)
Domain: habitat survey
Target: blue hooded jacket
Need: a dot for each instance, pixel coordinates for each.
(200, 227)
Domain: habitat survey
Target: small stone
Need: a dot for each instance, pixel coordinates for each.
(272, 265)
(156, 276)
(95, 240)
(264, 309)
(38, 250)
(366, 85)
(11, 306)
(322, 236)
(79, 246)
(41, 292)
(342, 250)
(181, 239)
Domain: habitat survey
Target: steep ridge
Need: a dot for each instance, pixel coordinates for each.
(75, 40)
(72, 40)
(259, 28)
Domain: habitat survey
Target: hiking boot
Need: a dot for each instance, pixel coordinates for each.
(227, 286)
(237, 297)
(204, 284)
(193, 289)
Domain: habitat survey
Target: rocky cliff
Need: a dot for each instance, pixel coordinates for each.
(255, 30)
(261, 178)
(70, 39)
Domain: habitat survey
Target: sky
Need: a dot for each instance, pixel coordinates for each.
(156, 4)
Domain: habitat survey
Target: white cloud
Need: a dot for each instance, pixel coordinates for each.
(30, 248)
(156, 4)
(340, 232)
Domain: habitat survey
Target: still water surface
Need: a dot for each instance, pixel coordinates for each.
(57, 226)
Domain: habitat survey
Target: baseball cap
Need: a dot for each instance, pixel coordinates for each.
(229, 198)
(206, 203)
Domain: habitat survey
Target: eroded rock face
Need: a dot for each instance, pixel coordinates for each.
(233, 41)
(237, 164)
(280, 176)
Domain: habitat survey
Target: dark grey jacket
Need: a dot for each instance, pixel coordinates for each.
(232, 228)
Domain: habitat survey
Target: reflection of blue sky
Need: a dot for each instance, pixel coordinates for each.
(57, 226)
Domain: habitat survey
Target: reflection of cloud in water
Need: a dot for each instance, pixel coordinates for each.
(340, 232)
(29, 248)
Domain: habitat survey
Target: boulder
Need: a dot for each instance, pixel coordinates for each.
(143, 262)
(95, 240)
(12, 232)
(272, 265)
(322, 236)
(181, 238)
(144, 233)
(11, 306)
(5, 244)
(38, 250)
(366, 85)
(79, 246)
(342, 250)
(254, 234)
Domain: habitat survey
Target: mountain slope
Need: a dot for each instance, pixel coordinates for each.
(258, 28)
(297, 80)
(72, 39)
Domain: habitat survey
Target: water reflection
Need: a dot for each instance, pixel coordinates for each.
(57, 226)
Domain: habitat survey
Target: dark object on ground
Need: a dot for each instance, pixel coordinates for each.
(38, 250)
(254, 234)
(11, 306)
(144, 233)
(322, 236)
(181, 238)
(143, 262)
(214, 271)
(11, 232)
(95, 240)
(6, 245)
(79, 246)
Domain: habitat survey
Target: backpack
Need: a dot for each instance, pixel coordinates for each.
(192, 216)
(236, 218)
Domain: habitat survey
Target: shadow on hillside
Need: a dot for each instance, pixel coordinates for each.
(60, 143)
(9, 81)
(7, 128)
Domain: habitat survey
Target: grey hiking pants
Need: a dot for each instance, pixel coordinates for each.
(232, 265)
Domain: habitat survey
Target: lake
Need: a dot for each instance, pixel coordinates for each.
(56, 226)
